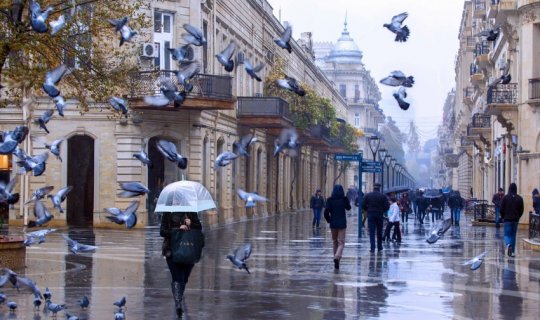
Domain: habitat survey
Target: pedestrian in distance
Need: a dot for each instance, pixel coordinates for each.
(352, 193)
(180, 272)
(536, 201)
(376, 204)
(422, 204)
(511, 211)
(316, 204)
(357, 204)
(455, 203)
(393, 221)
(335, 215)
(405, 207)
(496, 200)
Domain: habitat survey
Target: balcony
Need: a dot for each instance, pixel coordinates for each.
(480, 125)
(319, 137)
(534, 92)
(479, 8)
(465, 143)
(468, 94)
(493, 9)
(210, 92)
(502, 97)
(270, 113)
(505, 9)
(481, 53)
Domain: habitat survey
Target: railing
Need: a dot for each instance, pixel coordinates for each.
(474, 69)
(147, 83)
(503, 94)
(534, 226)
(479, 5)
(481, 48)
(320, 131)
(263, 106)
(534, 88)
(481, 121)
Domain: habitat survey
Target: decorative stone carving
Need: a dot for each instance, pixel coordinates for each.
(529, 13)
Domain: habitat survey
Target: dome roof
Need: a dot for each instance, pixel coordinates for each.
(345, 50)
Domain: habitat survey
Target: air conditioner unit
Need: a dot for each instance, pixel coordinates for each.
(150, 50)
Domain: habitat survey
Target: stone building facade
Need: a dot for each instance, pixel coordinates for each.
(98, 148)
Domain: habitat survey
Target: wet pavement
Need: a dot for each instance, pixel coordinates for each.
(292, 275)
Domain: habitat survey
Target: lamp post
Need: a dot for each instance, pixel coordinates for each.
(387, 160)
(374, 143)
(382, 156)
(393, 164)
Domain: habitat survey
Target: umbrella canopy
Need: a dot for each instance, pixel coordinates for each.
(184, 196)
(397, 189)
(432, 193)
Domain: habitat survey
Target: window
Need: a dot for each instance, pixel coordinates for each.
(356, 93)
(78, 51)
(343, 90)
(357, 120)
(163, 39)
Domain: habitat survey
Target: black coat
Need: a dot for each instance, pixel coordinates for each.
(512, 207)
(171, 221)
(455, 201)
(335, 212)
(375, 203)
(316, 202)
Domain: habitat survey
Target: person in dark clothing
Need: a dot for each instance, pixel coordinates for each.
(356, 203)
(511, 211)
(316, 204)
(376, 204)
(335, 214)
(352, 193)
(179, 271)
(422, 204)
(536, 201)
(456, 203)
(496, 200)
(404, 207)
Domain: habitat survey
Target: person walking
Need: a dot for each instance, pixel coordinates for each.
(393, 221)
(414, 199)
(536, 201)
(455, 202)
(179, 271)
(511, 211)
(405, 207)
(422, 204)
(335, 215)
(352, 194)
(496, 200)
(376, 204)
(317, 204)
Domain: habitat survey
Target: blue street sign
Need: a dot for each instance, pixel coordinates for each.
(372, 166)
(355, 157)
(347, 157)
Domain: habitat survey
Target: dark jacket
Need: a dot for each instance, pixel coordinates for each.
(497, 199)
(536, 201)
(172, 221)
(512, 205)
(376, 203)
(316, 202)
(455, 201)
(336, 206)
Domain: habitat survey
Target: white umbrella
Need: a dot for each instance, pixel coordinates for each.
(184, 196)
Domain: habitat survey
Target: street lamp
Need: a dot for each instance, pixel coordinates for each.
(387, 160)
(374, 143)
(393, 164)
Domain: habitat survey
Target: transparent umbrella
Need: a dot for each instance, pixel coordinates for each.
(184, 196)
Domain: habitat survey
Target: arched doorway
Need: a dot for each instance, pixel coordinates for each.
(80, 175)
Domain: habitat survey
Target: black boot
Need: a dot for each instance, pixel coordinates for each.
(178, 294)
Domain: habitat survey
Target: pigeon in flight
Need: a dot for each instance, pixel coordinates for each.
(169, 93)
(40, 193)
(121, 303)
(224, 159)
(291, 84)
(84, 302)
(36, 164)
(250, 198)
(120, 25)
(284, 40)
(127, 217)
(252, 71)
(77, 247)
(288, 139)
(241, 147)
(505, 78)
(225, 58)
(402, 32)
(119, 105)
(8, 144)
(132, 189)
(491, 34)
(398, 78)
(39, 234)
(60, 104)
(476, 262)
(194, 35)
(6, 192)
(60, 197)
(52, 78)
(9, 275)
(186, 73)
(55, 308)
(168, 150)
(43, 216)
(38, 18)
(439, 230)
(57, 24)
(44, 119)
(28, 283)
(54, 148)
(400, 96)
(142, 156)
(239, 257)
(183, 54)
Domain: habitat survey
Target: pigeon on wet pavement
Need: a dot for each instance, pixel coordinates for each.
(240, 255)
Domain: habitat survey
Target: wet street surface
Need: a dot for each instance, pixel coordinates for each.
(292, 275)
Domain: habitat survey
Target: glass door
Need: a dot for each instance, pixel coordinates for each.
(163, 26)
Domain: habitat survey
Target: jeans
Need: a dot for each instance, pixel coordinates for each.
(456, 213)
(397, 231)
(421, 215)
(375, 224)
(338, 237)
(316, 216)
(179, 271)
(510, 232)
(497, 215)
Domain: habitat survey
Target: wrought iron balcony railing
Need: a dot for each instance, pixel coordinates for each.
(474, 69)
(481, 121)
(482, 48)
(147, 83)
(534, 226)
(263, 106)
(534, 88)
(503, 94)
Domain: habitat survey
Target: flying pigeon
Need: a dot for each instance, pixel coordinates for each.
(225, 58)
(8, 275)
(40, 193)
(52, 78)
(439, 230)
(120, 303)
(36, 164)
(505, 78)
(169, 93)
(402, 32)
(142, 156)
(55, 308)
(239, 257)
(54, 148)
(252, 71)
(59, 197)
(84, 302)
(9, 140)
(118, 23)
(38, 18)
(288, 139)
(283, 41)
(43, 216)
(224, 159)
(168, 149)
(132, 189)
(6, 192)
(119, 105)
(291, 84)
(194, 36)
(60, 104)
(183, 54)
(491, 34)
(400, 96)
(30, 284)
(77, 247)
(8, 145)
(476, 262)
(39, 234)
(186, 73)
(250, 198)
(127, 217)
(44, 119)
(126, 33)
(19, 133)
(47, 294)
(398, 78)
(241, 147)
(57, 24)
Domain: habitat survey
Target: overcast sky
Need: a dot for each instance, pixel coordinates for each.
(428, 55)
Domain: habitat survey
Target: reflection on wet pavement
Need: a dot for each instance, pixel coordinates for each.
(292, 275)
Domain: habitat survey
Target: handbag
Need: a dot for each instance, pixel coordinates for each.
(187, 246)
